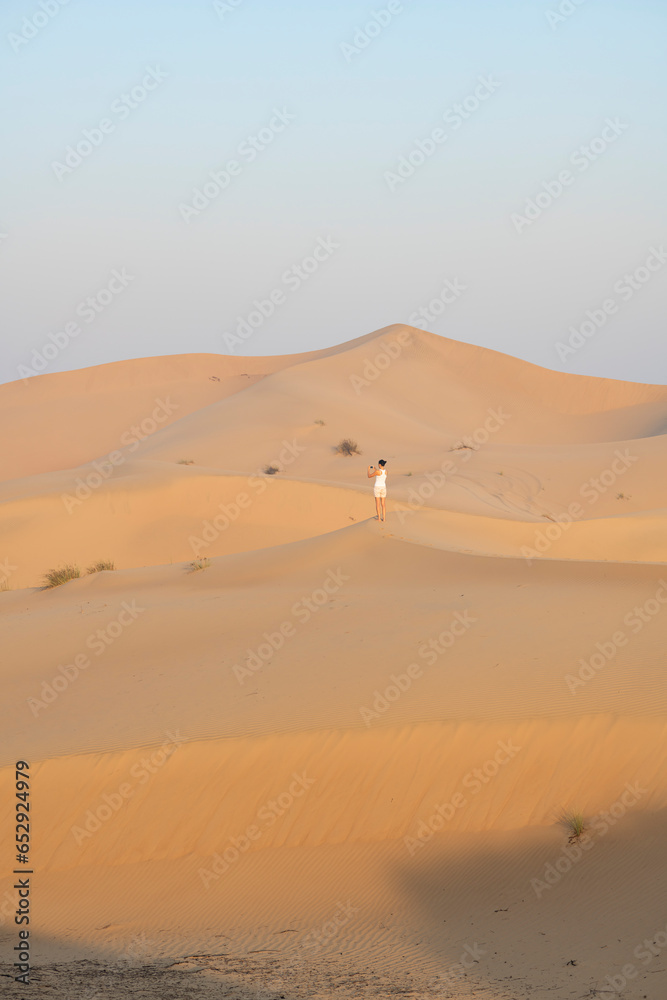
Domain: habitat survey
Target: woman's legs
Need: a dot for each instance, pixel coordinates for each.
(384, 509)
(377, 508)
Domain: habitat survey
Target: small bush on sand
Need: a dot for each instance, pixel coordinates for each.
(101, 567)
(575, 824)
(199, 564)
(347, 447)
(186, 461)
(320, 422)
(55, 577)
(270, 470)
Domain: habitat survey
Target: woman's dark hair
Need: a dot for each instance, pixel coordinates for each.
(382, 462)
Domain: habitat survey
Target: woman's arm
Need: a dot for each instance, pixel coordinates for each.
(372, 471)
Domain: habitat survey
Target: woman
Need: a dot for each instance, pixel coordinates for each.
(379, 488)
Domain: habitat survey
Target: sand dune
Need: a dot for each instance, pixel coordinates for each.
(631, 538)
(63, 420)
(311, 794)
(156, 516)
(338, 757)
(433, 393)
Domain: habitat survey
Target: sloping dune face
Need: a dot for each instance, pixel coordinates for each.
(281, 728)
(61, 421)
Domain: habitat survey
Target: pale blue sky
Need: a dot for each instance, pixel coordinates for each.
(323, 177)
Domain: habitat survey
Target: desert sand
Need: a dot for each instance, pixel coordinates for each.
(286, 750)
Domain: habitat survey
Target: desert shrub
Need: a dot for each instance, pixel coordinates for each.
(575, 824)
(347, 447)
(100, 567)
(56, 577)
(199, 564)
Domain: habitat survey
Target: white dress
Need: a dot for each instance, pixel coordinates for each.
(380, 485)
